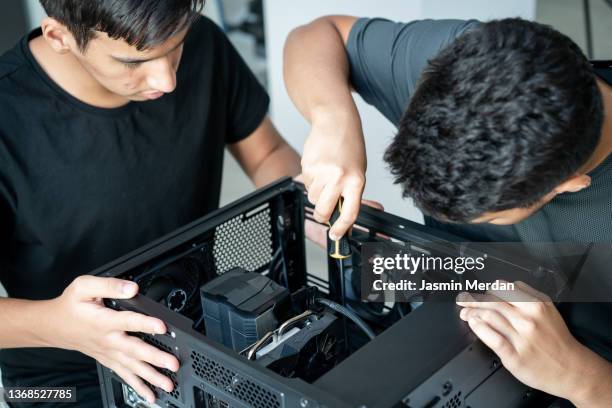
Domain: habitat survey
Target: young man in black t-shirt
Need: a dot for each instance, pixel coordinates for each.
(114, 116)
(504, 134)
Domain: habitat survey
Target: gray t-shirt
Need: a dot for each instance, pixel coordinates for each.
(386, 61)
(387, 58)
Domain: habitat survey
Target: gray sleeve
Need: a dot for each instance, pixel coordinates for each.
(387, 58)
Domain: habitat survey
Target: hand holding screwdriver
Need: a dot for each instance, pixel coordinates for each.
(338, 249)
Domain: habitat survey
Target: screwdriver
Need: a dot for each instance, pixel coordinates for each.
(340, 249)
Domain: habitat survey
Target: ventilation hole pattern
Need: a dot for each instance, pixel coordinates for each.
(455, 401)
(252, 394)
(244, 242)
(176, 392)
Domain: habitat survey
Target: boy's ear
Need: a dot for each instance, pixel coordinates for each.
(573, 184)
(56, 34)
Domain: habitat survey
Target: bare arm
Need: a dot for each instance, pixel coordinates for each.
(78, 320)
(20, 320)
(265, 156)
(316, 72)
(597, 391)
(316, 68)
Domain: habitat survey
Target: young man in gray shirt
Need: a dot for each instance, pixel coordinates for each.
(504, 134)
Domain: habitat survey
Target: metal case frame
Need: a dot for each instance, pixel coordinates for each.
(428, 358)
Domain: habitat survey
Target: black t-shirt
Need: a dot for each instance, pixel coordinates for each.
(386, 62)
(81, 186)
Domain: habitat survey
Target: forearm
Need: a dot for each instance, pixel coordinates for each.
(282, 161)
(593, 380)
(21, 322)
(316, 70)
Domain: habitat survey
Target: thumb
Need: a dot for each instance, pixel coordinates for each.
(91, 287)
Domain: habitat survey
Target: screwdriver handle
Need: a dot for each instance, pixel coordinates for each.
(339, 249)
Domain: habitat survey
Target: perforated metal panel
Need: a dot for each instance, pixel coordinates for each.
(245, 390)
(176, 392)
(244, 241)
(455, 401)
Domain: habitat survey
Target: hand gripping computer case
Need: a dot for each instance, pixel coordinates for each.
(252, 326)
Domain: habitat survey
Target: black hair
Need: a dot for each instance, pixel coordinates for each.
(141, 23)
(501, 116)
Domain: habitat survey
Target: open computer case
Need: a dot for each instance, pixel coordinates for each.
(252, 326)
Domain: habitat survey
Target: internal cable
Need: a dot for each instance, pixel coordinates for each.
(337, 307)
(281, 247)
(278, 259)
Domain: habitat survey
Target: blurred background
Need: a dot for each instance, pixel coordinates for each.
(258, 29)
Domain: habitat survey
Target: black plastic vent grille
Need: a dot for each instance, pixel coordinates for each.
(250, 393)
(176, 392)
(455, 401)
(244, 241)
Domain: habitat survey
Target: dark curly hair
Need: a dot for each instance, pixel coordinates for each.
(501, 116)
(141, 23)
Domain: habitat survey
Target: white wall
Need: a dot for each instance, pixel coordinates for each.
(479, 9)
(282, 16)
(35, 13)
